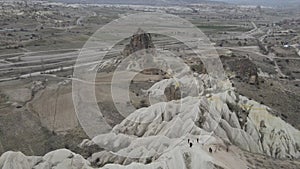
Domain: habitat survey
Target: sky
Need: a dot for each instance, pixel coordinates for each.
(265, 2)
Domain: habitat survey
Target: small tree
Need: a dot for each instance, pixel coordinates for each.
(240, 43)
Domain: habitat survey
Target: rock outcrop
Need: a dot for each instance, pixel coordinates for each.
(139, 41)
(245, 70)
(140, 49)
(59, 159)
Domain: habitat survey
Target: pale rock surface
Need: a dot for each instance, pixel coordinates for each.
(279, 139)
(58, 159)
(203, 116)
(17, 160)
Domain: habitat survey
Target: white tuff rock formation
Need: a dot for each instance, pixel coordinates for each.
(157, 136)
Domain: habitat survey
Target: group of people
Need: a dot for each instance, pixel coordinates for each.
(190, 143)
(209, 149)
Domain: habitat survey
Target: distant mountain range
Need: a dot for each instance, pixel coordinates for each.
(140, 2)
(273, 3)
(135, 2)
